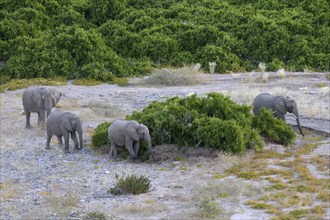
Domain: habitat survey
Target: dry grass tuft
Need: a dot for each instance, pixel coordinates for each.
(62, 204)
(105, 109)
(281, 73)
(187, 75)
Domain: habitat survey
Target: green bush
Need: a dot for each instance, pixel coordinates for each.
(273, 129)
(212, 121)
(100, 139)
(131, 184)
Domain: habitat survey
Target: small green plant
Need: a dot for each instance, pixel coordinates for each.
(299, 213)
(273, 129)
(320, 85)
(100, 139)
(95, 216)
(131, 184)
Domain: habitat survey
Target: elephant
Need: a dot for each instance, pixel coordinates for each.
(62, 124)
(128, 133)
(279, 104)
(40, 100)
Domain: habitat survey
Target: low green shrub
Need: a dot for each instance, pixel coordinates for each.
(273, 129)
(213, 121)
(100, 137)
(15, 84)
(131, 184)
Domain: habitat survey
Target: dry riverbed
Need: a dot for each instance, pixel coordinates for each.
(47, 184)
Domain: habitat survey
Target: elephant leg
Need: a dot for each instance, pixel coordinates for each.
(136, 147)
(41, 119)
(49, 137)
(59, 138)
(75, 140)
(129, 147)
(27, 116)
(66, 142)
(113, 153)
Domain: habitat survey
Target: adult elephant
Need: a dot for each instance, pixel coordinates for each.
(40, 100)
(63, 124)
(128, 134)
(279, 104)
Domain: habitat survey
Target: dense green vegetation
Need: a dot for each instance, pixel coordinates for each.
(100, 39)
(213, 121)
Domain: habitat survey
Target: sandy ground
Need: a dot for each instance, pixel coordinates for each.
(47, 184)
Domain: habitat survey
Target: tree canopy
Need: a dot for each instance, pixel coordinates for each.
(101, 39)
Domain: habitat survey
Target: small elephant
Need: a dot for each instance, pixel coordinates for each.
(62, 124)
(128, 134)
(279, 104)
(40, 100)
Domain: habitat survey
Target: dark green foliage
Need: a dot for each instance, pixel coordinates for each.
(99, 39)
(225, 135)
(100, 137)
(274, 129)
(131, 184)
(213, 121)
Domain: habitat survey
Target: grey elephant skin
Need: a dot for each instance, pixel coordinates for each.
(64, 124)
(128, 133)
(279, 104)
(40, 100)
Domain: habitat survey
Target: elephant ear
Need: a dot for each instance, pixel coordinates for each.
(66, 121)
(132, 131)
(280, 105)
(38, 97)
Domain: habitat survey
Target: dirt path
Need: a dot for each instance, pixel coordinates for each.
(36, 183)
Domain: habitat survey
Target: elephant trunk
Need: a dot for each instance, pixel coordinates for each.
(80, 133)
(148, 140)
(295, 112)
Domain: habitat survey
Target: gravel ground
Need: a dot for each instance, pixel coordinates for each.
(47, 184)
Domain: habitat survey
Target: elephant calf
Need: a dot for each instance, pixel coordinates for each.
(40, 100)
(128, 134)
(62, 124)
(279, 104)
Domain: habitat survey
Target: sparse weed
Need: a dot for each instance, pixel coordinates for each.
(209, 209)
(327, 76)
(248, 175)
(95, 216)
(131, 184)
(320, 85)
(224, 195)
(299, 213)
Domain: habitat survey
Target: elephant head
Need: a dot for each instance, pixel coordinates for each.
(56, 96)
(287, 104)
(140, 131)
(72, 123)
(43, 99)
